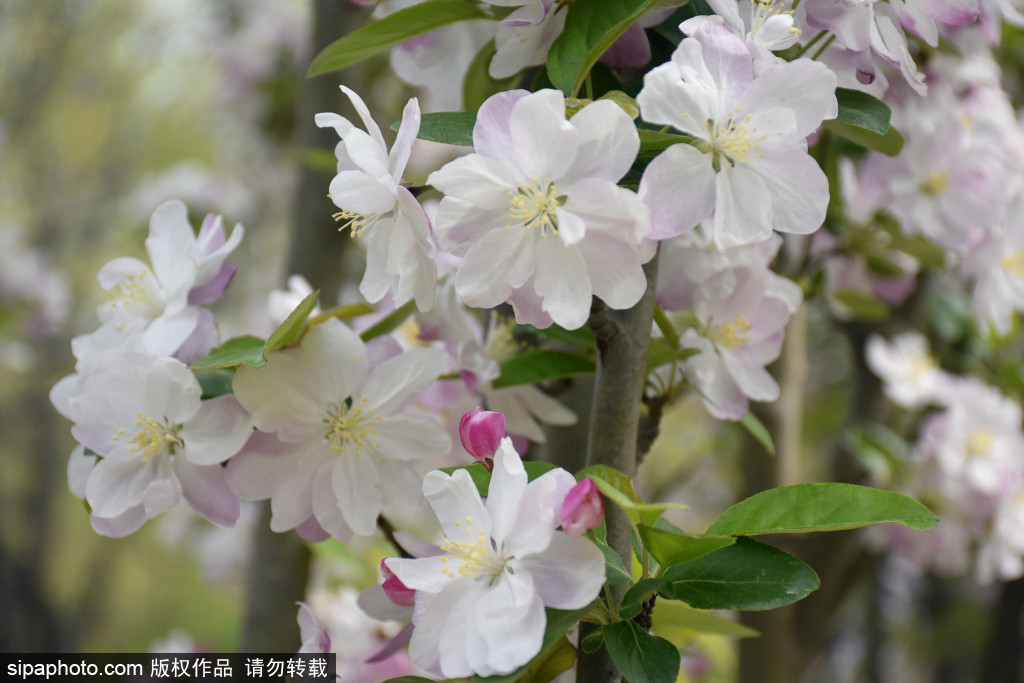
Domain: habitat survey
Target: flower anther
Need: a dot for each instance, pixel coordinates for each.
(152, 437)
(534, 206)
(350, 426)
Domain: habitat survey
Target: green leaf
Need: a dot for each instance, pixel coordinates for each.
(758, 431)
(820, 507)
(482, 478)
(592, 642)
(538, 365)
(618, 488)
(669, 547)
(661, 353)
(240, 350)
(346, 312)
(390, 31)
(390, 322)
(889, 143)
(639, 655)
(625, 102)
(615, 571)
(863, 305)
(289, 330)
(860, 109)
(449, 127)
(558, 624)
(581, 336)
(215, 382)
(637, 595)
(671, 614)
(477, 85)
(591, 28)
(747, 576)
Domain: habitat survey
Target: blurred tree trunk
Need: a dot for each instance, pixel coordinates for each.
(280, 563)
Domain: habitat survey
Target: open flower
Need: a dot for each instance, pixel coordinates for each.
(480, 605)
(337, 445)
(376, 207)
(536, 212)
(159, 442)
(748, 167)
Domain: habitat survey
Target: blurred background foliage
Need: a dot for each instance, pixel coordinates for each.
(110, 108)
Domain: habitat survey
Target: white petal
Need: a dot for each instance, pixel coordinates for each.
(508, 485)
(361, 193)
(364, 114)
(543, 141)
(325, 506)
(608, 143)
(453, 499)
(511, 619)
(569, 574)
(798, 189)
(743, 207)
(807, 88)
(407, 132)
(679, 189)
(217, 431)
(171, 246)
(406, 438)
(502, 260)
(562, 282)
(476, 179)
(491, 136)
(666, 100)
(355, 483)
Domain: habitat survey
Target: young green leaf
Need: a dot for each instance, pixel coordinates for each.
(639, 655)
(863, 305)
(759, 432)
(615, 571)
(618, 488)
(672, 614)
(449, 127)
(390, 31)
(289, 330)
(538, 365)
(747, 576)
(860, 109)
(216, 382)
(591, 28)
(234, 352)
(669, 547)
(820, 507)
(889, 143)
(390, 322)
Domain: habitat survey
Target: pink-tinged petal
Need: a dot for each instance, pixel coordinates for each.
(666, 100)
(162, 494)
(805, 87)
(171, 246)
(798, 189)
(460, 224)
(615, 211)
(311, 531)
(527, 307)
(261, 464)
(364, 114)
(679, 189)
(361, 193)
(582, 508)
(401, 437)
(204, 338)
(511, 620)
(168, 333)
(718, 391)
(214, 287)
(325, 506)
(481, 432)
(118, 527)
(477, 179)
(500, 261)
(755, 382)
(453, 498)
(206, 490)
(608, 143)
(615, 270)
(534, 526)
(743, 207)
(491, 136)
(631, 51)
(376, 604)
(508, 485)
(562, 283)
(726, 58)
(954, 12)
(356, 486)
(544, 143)
(276, 396)
(568, 574)
(217, 431)
(118, 483)
(292, 501)
(523, 46)
(312, 633)
(392, 383)
(393, 646)
(407, 132)
(916, 20)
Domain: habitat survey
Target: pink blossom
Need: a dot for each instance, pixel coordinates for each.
(582, 509)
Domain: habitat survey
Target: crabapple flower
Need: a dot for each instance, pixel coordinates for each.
(335, 446)
(526, 35)
(764, 25)
(480, 605)
(157, 441)
(536, 213)
(748, 168)
(313, 634)
(397, 592)
(583, 508)
(743, 312)
(376, 207)
(481, 432)
(911, 378)
(156, 307)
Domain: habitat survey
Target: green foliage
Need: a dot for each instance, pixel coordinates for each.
(670, 547)
(758, 431)
(863, 305)
(449, 127)
(581, 336)
(291, 328)
(615, 570)
(860, 109)
(539, 365)
(820, 507)
(216, 382)
(654, 142)
(618, 488)
(679, 615)
(390, 322)
(390, 31)
(746, 576)
(639, 655)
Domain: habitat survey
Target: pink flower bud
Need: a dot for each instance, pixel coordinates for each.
(582, 508)
(481, 432)
(397, 592)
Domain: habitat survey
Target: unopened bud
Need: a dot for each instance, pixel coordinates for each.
(582, 508)
(481, 432)
(397, 592)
